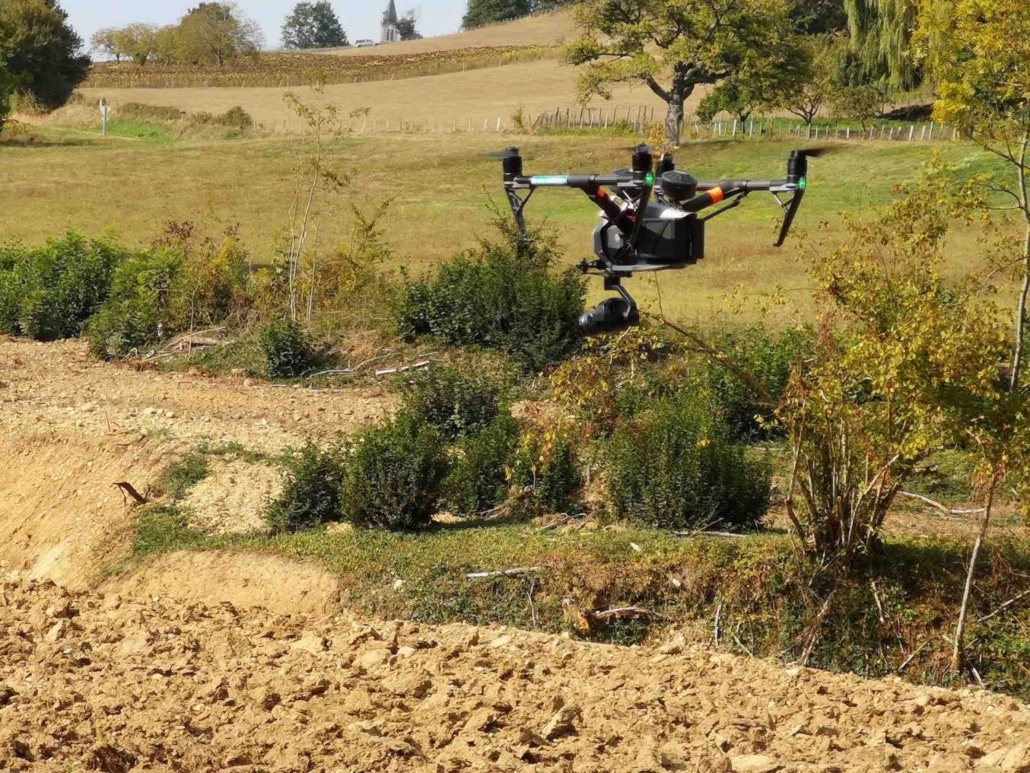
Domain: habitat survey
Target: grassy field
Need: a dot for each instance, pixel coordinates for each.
(442, 188)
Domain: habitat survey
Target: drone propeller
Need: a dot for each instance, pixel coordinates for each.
(820, 150)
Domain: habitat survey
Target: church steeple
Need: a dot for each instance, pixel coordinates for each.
(390, 31)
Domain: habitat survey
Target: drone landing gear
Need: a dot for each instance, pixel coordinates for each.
(612, 314)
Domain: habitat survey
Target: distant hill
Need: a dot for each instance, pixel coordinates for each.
(544, 30)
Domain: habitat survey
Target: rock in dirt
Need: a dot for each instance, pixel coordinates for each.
(561, 723)
(754, 763)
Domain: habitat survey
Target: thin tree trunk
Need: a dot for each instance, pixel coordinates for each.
(958, 654)
(1021, 312)
(1021, 320)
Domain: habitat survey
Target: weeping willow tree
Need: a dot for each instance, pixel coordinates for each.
(881, 34)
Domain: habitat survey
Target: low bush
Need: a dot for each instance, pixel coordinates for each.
(767, 357)
(184, 283)
(311, 494)
(502, 295)
(452, 402)
(287, 348)
(478, 479)
(394, 475)
(50, 292)
(676, 467)
(136, 312)
(546, 470)
(148, 112)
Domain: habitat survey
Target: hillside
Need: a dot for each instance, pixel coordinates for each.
(437, 101)
(544, 30)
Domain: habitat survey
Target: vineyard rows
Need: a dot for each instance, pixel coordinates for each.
(289, 69)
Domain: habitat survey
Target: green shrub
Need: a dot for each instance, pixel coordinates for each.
(136, 312)
(288, 350)
(676, 467)
(50, 292)
(236, 118)
(767, 357)
(452, 402)
(478, 478)
(311, 494)
(546, 468)
(499, 296)
(395, 475)
(184, 283)
(149, 112)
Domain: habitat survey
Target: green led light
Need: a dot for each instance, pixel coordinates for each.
(803, 183)
(649, 179)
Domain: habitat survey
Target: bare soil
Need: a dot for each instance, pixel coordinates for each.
(212, 661)
(107, 683)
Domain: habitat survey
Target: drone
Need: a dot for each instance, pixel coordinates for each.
(650, 218)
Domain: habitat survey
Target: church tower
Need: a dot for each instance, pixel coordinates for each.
(390, 32)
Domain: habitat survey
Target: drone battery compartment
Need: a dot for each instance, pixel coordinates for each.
(673, 238)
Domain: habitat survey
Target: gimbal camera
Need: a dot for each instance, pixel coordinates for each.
(650, 218)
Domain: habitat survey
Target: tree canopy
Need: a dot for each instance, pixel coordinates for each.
(673, 46)
(40, 52)
(313, 25)
(483, 12)
(406, 26)
(217, 33)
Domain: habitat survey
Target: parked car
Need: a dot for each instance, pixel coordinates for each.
(364, 43)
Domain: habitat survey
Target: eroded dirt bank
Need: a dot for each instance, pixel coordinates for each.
(71, 427)
(106, 683)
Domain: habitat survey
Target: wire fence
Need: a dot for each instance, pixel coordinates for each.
(642, 121)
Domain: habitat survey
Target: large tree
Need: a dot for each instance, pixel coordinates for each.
(674, 46)
(6, 90)
(136, 41)
(881, 35)
(40, 51)
(482, 12)
(217, 33)
(978, 52)
(313, 25)
(406, 26)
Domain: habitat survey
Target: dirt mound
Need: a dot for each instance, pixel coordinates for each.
(60, 513)
(107, 684)
(233, 498)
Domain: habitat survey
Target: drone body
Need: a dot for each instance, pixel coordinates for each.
(650, 218)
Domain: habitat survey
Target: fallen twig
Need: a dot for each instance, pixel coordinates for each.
(1004, 606)
(128, 488)
(405, 369)
(731, 534)
(718, 622)
(938, 506)
(504, 573)
(532, 606)
(912, 657)
(343, 372)
(621, 613)
(564, 520)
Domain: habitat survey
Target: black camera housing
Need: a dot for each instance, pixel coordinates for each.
(668, 237)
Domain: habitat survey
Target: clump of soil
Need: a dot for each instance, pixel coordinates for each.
(234, 496)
